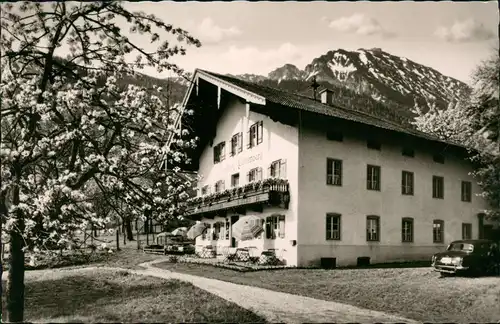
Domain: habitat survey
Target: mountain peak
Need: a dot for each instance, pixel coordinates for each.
(373, 49)
(286, 72)
(388, 80)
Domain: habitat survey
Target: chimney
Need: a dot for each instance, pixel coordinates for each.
(326, 96)
(314, 86)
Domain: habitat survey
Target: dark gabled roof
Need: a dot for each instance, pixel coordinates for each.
(296, 101)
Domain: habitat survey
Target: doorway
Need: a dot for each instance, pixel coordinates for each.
(234, 219)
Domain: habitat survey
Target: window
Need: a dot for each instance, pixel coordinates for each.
(407, 229)
(466, 231)
(333, 172)
(275, 227)
(277, 169)
(205, 235)
(254, 175)
(235, 180)
(222, 226)
(437, 187)
(219, 186)
(332, 226)
(372, 228)
(255, 134)
(438, 158)
(219, 152)
(334, 136)
(407, 183)
(236, 144)
(438, 231)
(373, 177)
(466, 191)
(205, 190)
(217, 230)
(409, 152)
(371, 144)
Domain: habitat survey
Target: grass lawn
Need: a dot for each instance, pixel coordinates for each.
(121, 297)
(125, 258)
(414, 293)
(128, 258)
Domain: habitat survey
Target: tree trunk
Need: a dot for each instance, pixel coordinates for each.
(128, 229)
(137, 234)
(15, 277)
(147, 226)
(118, 238)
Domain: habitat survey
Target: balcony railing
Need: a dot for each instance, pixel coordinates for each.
(272, 191)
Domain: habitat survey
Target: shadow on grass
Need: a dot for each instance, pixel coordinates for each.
(121, 297)
(412, 290)
(394, 265)
(243, 268)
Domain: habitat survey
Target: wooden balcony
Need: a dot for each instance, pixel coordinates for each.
(271, 192)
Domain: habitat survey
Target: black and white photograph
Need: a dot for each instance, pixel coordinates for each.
(250, 161)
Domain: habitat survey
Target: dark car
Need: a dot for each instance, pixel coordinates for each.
(472, 256)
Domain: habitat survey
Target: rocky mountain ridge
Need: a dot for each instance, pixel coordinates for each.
(369, 80)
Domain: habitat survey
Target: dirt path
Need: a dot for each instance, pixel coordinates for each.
(272, 305)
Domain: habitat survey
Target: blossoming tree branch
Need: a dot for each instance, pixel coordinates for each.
(474, 123)
(72, 132)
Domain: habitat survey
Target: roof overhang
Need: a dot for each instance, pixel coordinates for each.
(248, 96)
(229, 87)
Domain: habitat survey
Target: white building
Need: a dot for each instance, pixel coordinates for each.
(357, 185)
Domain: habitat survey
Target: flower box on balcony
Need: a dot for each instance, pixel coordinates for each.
(272, 190)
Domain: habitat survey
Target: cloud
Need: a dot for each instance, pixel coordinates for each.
(359, 24)
(468, 30)
(208, 32)
(255, 60)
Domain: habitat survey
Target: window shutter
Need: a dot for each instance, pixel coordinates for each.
(259, 174)
(367, 228)
(249, 135)
(339, 182)
(215, 154)
(233, 146)
(378, 228)
(368, 177)
(248, 176)
(403, 183)
(283, 169)
(222, 151)
(328, 227)
(259, 132)
(270, 171)
(403, 230)
(240, 141)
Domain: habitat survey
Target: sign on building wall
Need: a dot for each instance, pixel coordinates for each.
(236, 165)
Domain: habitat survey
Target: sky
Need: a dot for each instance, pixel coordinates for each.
(258, 37)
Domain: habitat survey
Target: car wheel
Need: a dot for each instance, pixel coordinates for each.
(479, 271)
